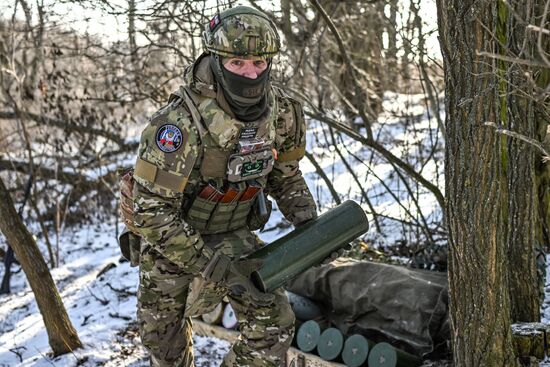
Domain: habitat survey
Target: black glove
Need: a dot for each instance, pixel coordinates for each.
(235, 275)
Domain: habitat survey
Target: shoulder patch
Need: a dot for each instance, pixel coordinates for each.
(169, 138)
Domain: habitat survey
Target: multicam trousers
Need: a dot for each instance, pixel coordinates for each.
(266, 332)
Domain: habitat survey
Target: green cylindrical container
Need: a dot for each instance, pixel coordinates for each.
(330, 344)
(308, 245)
(303, 307)
(356, 350)
(384, 355)
(307, 336)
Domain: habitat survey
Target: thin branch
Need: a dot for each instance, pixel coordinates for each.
(514, 60)
(534, 28)
(500, 130)
(362, 107)
(382, 151)
(356, 179)
(7, 115)
(323, 175)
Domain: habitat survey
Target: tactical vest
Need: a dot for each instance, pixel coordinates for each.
(233, 154)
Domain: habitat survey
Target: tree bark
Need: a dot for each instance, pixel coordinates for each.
(475, 211)
(61, 333)
(391, 52)
(542, 170)
(516, 99)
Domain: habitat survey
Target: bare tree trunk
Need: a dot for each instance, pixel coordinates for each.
(10, 256)
(516, 99)
(542, 170)
(392, 72)
(132, 41)
(61, 333)
(475, 188)
(285, 19)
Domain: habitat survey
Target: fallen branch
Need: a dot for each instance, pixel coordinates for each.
(124, 292)
(104, 302)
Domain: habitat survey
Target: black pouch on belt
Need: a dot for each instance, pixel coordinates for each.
(261, 210)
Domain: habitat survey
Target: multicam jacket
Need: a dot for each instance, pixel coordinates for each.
(188, 144)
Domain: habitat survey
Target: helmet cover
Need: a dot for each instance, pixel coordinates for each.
(241, 32)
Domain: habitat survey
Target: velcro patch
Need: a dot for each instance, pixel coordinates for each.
(248, 133)
(215, 21)
(169, 138)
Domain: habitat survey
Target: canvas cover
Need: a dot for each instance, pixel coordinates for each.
(406, 307)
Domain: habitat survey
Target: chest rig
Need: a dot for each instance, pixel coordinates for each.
(236, 158)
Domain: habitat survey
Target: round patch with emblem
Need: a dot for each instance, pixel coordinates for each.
(169, 138)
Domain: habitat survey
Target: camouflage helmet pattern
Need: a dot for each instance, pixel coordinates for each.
(241, 31)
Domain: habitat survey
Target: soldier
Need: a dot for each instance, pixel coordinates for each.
(206, 163)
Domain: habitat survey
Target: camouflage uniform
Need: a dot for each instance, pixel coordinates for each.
(177, 246)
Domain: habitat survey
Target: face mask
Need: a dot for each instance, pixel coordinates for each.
(245, 96)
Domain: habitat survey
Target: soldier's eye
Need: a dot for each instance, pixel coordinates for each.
(237, 63)
(259, 63)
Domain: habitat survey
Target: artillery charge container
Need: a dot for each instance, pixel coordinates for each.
(356, 350)
(308, 335)
(308, 245)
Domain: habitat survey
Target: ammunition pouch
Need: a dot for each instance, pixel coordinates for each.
(200, 213)
(130, 245)
(211, 217)
(257, 220)
(241, 167)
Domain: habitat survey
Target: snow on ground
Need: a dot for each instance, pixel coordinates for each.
(99, 291)
(101, 307)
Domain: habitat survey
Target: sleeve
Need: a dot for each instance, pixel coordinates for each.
(167, 152)
(285, 183)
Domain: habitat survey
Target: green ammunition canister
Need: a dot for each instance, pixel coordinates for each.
(308, 336)
(308, 245)
(384, 355)
(356, 350)
(303, 307)
(330, 344)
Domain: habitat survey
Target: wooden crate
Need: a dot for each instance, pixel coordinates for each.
(294, 357)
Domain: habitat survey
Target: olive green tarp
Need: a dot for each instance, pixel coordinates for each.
(406, 307)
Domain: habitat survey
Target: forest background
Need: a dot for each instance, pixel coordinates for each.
(441, 148)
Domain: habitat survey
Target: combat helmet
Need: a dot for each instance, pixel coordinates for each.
(241, 31)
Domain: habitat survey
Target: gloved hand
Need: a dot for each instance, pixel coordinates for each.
(336, 254)
(235, 275)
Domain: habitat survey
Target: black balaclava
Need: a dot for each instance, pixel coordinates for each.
(246, 97)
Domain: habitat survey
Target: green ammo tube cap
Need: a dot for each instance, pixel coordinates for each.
(383, 355)
(308, 336)
(356, 350)
(330, 344)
